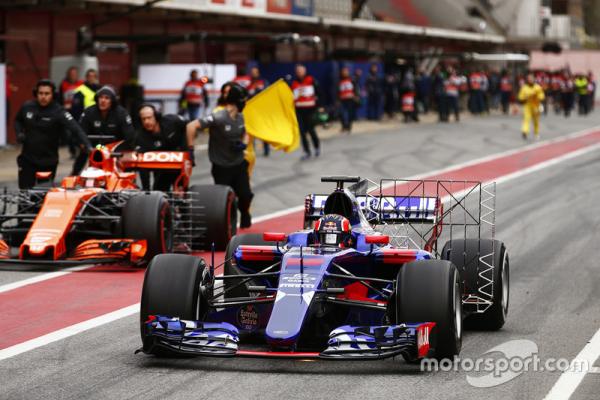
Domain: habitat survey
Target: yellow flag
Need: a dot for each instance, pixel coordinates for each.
(271, 116)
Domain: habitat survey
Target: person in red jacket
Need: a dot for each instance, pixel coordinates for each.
(347, 99)
(257, 83)
(194, 95)
(452, 91)
(68, 86)
(305, 89)
(243, 79)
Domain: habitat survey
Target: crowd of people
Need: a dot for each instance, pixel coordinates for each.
(450, 92)
(91, 114)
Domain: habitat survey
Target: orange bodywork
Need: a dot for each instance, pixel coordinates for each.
(46, 237)
(4, 249)
(107, 172)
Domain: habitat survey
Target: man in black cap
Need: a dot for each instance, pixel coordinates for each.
(105, 122)
(226, 144)
(39, 125)
(161, 133)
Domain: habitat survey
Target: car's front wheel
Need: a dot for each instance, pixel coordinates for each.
(172, 287)
(430, 291)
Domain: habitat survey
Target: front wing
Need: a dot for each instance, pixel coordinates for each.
(345, 343)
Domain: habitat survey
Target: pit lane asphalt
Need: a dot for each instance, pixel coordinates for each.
(549, 221)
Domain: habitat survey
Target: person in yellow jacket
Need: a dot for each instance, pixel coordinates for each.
(531, 95)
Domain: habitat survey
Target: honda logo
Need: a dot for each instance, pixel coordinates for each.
(162, 157)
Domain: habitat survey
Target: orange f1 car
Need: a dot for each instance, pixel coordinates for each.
(102, 216)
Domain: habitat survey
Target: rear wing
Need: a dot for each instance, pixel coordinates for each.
(163, 160)
(383, 209)
(417, 214)
(155, 160)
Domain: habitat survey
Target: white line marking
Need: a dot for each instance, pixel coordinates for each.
(68, 331)
(40, 278)
(569, 380)
(130, 310)
(546, 164)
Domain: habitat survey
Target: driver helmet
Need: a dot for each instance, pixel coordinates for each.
(333, 230)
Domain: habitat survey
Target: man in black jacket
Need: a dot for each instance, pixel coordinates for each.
(39, 125)
(105, 122)
(161, 133)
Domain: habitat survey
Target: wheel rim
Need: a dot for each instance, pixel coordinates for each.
(505, 284)
(457, 309)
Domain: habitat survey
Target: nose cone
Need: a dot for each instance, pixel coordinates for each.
(300, 278)
(287, 318)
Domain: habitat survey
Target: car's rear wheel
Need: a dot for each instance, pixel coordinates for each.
(232, 286)
(148, 216)
(429, 291)
(214, 215)
(172, 288)
(466, 254)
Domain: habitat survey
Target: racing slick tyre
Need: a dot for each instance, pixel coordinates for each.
(214, 208)
(148, 216)
(465, 254)
(172, 288)
(430, 291)
(252, 239)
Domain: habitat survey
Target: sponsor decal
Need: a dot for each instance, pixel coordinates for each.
(162, 157)
(248, 317)
(297, 281)
(423, 340)
(37, 239)
(423, 336)
(52, 213)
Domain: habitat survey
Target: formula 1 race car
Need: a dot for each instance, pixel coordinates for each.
(364, 280)
(102, 216)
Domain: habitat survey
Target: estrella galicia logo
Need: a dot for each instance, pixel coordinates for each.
(248, 317)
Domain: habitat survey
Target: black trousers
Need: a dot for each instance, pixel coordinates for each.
(452, 107)
(27, 171)
(238, 179)
(306, 123)
(505, 100)
(80, 161)
(163, 180)
(583, 104)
